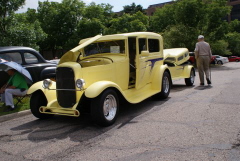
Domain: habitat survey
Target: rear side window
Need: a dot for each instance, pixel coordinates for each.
(153, 45)
(142, 42)
(30, 58)
(14, 56)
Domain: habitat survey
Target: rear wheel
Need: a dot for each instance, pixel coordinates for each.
(36, 101)
(237, 60)
(105, 107)
(220, 62)
(166, 86)
(190, 81)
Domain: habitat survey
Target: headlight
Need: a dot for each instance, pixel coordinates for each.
(46, 83)
(80, 83)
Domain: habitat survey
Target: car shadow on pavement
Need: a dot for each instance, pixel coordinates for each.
(180, 87)
(82, 129)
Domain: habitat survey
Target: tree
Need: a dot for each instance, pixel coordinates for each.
(192, 18)
(21, 32)
(59, 21)
(7, 8)
(128, 23)
(234, 26)
(179, 36)
(233, 40)
(95, 18)
(132, 9)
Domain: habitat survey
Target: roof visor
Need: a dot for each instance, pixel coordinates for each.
(73, 54)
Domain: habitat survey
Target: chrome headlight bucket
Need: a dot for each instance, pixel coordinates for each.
(47, 83)
(80, 83)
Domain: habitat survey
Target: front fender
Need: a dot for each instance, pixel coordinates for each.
(50, 94)
(97, 88)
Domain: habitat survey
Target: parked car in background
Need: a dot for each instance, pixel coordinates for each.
(192, 59)
(233, 58)
(38, 67)
(221, 60)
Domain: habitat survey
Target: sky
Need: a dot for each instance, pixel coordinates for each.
(117, 4)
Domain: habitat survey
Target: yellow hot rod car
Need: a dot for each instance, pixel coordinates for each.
(100, 70)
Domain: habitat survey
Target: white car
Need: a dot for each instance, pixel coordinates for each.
(220, 60)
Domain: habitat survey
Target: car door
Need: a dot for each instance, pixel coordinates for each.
(34, 64)
(147, 55)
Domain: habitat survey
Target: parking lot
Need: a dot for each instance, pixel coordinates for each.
(194, 123)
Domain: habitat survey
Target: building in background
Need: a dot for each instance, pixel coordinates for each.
(152, 8)
(235, 12)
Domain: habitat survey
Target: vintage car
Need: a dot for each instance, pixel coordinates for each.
(177, 61)
(30, 59)
(103, 70)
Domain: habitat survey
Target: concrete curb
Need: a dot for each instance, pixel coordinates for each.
(14, 115)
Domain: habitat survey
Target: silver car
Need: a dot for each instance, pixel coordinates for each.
(220, 60)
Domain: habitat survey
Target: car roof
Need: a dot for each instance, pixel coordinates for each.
(8, 48)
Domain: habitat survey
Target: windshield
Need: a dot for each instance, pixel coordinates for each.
(115, 47)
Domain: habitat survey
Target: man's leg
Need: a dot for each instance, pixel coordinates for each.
(9, 96)
(200, 69)
(3, 98)
(206, 68)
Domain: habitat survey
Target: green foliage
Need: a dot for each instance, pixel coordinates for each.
(23, 33)
(7, 8)
(59, 21)
(220, 47)
(187, 19)
(179, 36)
(128, 23)
(162, 18)
(132, 9)
(234, 42)
(234, 26)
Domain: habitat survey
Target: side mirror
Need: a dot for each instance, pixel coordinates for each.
(145, 53)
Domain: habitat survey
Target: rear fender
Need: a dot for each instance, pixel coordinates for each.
(97, 88)
(187, 71)
(157, 77)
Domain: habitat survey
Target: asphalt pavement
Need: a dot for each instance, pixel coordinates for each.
(198, 123)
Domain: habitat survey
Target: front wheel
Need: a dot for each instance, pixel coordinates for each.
(105, 107)
(36, 101)
(237, 60)
(190, 81)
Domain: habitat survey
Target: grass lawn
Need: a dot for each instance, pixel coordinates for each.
(20, 107)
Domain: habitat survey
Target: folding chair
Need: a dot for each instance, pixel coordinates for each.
(20, 98)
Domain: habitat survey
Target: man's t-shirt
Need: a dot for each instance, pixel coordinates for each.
(18, 81)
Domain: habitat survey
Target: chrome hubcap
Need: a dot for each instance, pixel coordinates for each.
(166, 84)
(110, 107)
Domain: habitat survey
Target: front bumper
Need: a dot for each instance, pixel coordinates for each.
(54, 108)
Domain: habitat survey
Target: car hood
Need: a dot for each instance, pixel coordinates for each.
(72, 55)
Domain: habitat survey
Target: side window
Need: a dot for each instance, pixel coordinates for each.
(30, 58)
(15, 56)
(153, 45)
(142, 42)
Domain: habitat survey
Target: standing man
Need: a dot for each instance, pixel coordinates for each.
(16, 85)
(203, 55)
